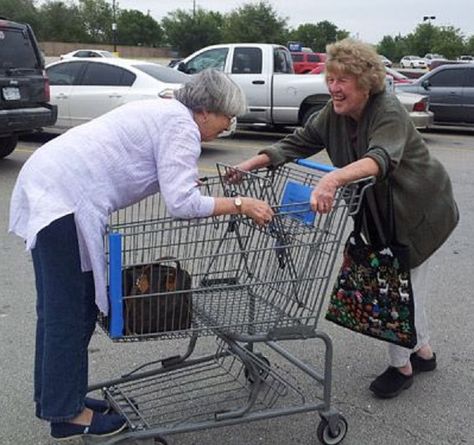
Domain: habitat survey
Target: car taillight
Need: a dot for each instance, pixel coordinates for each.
(420, 106)
(47, 95)
(168, 93)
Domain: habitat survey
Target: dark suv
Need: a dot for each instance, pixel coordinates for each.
(24, 86)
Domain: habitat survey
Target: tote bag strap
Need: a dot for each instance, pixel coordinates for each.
(386, 234)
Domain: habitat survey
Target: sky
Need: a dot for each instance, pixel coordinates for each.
(368, 20)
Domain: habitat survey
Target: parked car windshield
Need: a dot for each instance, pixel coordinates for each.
(16, 50)
(163, 73)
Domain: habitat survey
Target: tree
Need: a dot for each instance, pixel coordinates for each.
(61, 22)
(319, 35)
(188, 32)
(97, 18)
(23, 11)
(136, 28)
(255, 23)
(393, 47)
(449, 42)
(469, 46)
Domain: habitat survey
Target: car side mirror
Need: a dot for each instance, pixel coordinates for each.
(182, 67)
(426, 84)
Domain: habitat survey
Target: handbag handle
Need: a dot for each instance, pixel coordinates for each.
(392, 233)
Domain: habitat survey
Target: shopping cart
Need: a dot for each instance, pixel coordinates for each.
(248, 286)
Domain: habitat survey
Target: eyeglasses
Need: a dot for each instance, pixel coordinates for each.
(232, 121)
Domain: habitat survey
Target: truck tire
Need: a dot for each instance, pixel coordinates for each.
(7, 145)
(310, 112)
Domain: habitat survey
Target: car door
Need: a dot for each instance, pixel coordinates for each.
(248, 70)
(468, 96)
(102, 88)
(445, 91)
(62, 79)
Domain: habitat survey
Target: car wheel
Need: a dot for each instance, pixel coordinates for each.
(311, 112)
(7, 145)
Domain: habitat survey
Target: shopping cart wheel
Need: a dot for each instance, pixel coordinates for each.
(325, 435)
(262, 372)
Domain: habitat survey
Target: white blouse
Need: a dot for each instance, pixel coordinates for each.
(106, 164)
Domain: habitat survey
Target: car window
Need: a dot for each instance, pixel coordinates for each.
(297, 57)
(65, 73)
(163, 73)
(282, 61)
(16, 49)
(247, 61)
(448, 78)
(313, 58)
(213, 58)
(102, 74)
(82, 54)
(469, 82)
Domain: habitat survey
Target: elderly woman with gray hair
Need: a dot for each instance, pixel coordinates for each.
(60, 206)
(367, 132)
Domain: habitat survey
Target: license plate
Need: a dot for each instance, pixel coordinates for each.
(11, 93)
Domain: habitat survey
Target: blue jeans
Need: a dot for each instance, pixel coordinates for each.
(67, 313)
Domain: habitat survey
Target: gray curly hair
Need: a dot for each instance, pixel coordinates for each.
(350, 56)
(212, 90)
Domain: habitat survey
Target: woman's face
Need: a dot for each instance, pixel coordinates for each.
(212, 124)
(348, 97)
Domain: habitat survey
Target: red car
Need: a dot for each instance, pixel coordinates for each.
(305, 62)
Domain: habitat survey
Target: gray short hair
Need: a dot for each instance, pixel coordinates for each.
(212, 90)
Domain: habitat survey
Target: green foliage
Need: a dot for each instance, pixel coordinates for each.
(393, 47)
(61, 22)
(422, 40)
(97, 18)
(449, 42)
(23, 11)
(469, 46)
(90, 21)
(188, 32)
(318, 36)
(136, 28)
(255, 23)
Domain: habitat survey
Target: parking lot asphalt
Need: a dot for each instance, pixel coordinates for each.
(437, 410)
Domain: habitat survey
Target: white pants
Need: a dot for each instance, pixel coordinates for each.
(399, 356)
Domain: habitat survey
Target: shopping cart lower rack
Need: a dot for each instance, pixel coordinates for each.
(248, 286)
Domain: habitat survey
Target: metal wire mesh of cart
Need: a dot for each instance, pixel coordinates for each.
(251, 283)
(206, 389)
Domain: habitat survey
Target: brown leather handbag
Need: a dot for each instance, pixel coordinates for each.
(156, 298)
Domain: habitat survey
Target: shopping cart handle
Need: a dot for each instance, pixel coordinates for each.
(315, 165)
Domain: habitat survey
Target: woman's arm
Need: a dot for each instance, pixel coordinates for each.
(322, 197)
(258, 210)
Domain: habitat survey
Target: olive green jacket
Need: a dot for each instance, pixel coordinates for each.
(424, 207)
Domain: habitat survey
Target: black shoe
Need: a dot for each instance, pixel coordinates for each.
(101, 426)
(422, 364)
(390, 383)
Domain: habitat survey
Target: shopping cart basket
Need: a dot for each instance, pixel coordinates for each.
(249, 286)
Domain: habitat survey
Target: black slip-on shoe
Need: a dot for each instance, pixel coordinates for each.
(420, 364)
(101, 426)
(390, 383)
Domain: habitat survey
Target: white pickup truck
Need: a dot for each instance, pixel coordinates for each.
(275, 95)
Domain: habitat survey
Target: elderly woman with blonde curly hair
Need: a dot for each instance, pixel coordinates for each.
(367, 132)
